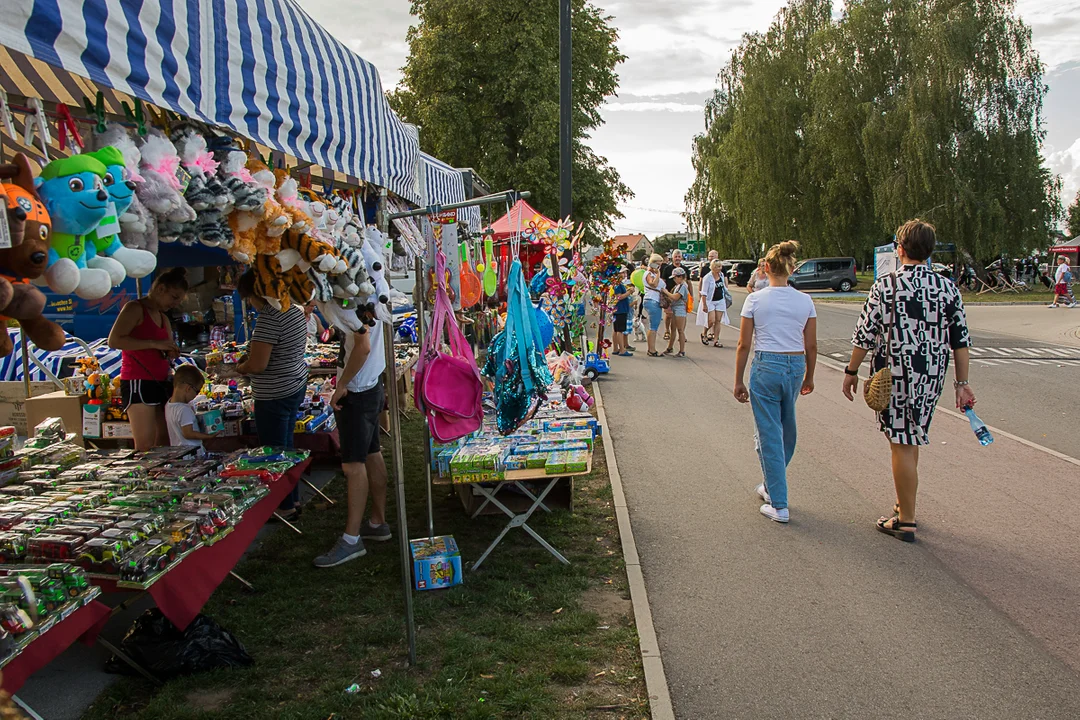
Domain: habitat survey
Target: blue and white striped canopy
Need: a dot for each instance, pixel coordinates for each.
(260, 67)
(444, 185)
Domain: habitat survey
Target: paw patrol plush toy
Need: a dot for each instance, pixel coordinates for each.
(73, 190)
(104, 249)
(28, 261)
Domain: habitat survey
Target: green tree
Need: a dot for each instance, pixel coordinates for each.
(1072, 222)
(482, 83)
(665, 243)
(640, 254)
(835, 131)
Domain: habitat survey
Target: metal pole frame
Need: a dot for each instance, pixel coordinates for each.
(399, 470)
(511, 196)
(421, 308)
(566, 110)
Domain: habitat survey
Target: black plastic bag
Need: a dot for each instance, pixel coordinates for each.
(159, 647)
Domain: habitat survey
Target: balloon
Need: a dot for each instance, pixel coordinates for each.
(638, 278)
(547, 329)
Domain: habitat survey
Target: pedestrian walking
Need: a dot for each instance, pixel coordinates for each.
(911, 320)
(781, 323)
(1062, 281)
(712, 296)
(678, 298)
(759, 279)
(654, 286)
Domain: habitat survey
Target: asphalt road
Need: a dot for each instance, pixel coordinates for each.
(826, 618)
(1026, 387)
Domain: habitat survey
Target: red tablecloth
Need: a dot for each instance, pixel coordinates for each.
(181, 593)
(83, 624)
(321, 444)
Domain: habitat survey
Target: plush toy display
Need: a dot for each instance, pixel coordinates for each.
(103, 248)
(73, 192)
(302, 250)
(18, 171)
(205, 192)
(372, 249)
(272, 216)
(28, 261)
(270, 282)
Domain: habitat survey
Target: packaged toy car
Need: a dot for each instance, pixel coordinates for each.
(183, 534)
(206, 526)
(53, 547)
(141, 530)
(9, 518)
(14, 620)
(12, 547)
(146, 560)
(17, 491)
(127, 538)
(152, 520)
(79, 531)
(40, 518)
(102, 554)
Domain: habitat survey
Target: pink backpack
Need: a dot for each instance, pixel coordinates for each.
(447, 388)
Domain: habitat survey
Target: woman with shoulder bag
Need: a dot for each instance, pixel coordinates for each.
(714, 301)
(143, 336)
(654, 287)
(912, 319)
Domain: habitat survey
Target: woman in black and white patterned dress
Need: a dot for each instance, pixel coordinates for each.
(929, 324)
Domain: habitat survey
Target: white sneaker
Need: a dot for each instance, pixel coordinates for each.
(1071, 305)
(780, 516)
(1052, 305)
(763, 493)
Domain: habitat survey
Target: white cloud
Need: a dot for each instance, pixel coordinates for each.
(652, 106)
(674, 51)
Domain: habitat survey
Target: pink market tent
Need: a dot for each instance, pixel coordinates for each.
(514, 221)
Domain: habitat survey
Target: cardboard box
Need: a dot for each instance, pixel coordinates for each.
(116, 430)
(13, 402)
(231, 428)
(210, 421)
(437, 565)
(57, 404)
(91, 420)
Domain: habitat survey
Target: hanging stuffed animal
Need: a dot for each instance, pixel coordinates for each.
(161, 189)
(354, 282)
(303, 251)
(28, 261)
(300, 286)
(288, 194)
(73, 192)
(138, 226)
(371, 249)
(205, 193)
(272, 216)
(270, 282)
(103, 248)
(248, 195)
(16, 211)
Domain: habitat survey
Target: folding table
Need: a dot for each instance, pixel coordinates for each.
(517, 479)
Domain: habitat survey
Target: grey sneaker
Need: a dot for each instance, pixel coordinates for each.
(378, 533)
(342, 552)
(763, 493)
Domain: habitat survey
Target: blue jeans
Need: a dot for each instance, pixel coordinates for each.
(275, 421)
(652, 307)
(775, 382)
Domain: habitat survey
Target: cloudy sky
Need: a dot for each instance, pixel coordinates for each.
(674, 52)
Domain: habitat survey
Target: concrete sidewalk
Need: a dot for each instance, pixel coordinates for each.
(826, 617)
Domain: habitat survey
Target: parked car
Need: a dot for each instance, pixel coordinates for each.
(825, 274)
(739, 271)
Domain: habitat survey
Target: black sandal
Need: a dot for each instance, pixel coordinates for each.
(652, 353)
(719, 345)
(668, 351)
(704, 339)
(680, 354)
(897, 529)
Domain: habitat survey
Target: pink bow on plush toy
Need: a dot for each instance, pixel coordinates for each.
(167, 166)
(206, 163)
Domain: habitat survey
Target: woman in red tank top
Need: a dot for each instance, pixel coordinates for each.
(144, 336)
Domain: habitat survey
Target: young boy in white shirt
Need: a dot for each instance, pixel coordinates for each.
(179, 414)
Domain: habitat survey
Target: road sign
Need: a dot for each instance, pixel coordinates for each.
(692, 247)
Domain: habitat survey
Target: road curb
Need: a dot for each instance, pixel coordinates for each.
(839, 367)
(655, 678)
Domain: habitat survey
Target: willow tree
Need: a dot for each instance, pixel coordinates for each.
(836, 132)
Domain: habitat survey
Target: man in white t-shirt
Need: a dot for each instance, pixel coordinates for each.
(357, 403)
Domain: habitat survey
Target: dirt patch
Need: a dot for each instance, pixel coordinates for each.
(606, 602)
(209, 700)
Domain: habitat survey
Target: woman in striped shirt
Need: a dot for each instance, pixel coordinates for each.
(276, 368)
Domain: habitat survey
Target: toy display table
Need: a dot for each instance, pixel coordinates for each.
(83, 624)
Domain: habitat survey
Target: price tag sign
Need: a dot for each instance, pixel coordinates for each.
(5, 231)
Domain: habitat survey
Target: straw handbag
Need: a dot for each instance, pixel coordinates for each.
(877, 391)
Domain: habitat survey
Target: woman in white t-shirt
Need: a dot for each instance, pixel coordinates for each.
(781, 323)
(654, 285)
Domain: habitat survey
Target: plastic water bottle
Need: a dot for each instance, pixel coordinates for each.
(978, 427)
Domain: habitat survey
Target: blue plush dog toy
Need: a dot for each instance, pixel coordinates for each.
(73, 191)
(104, 250)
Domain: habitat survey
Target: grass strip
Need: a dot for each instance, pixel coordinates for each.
(524, 637)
